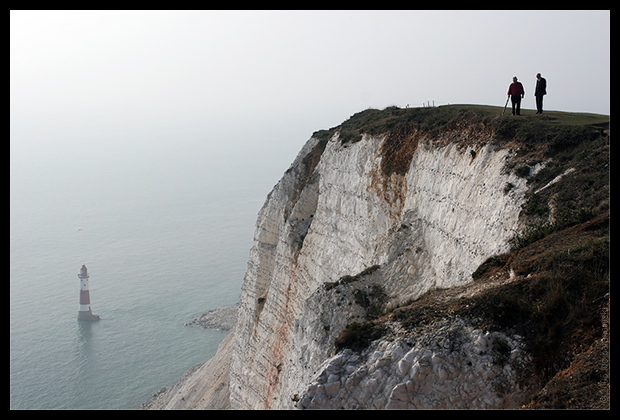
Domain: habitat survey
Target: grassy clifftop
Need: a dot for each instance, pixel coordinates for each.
(374, 121)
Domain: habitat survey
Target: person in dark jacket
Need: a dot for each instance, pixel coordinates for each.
(516, 92)
(541, 90)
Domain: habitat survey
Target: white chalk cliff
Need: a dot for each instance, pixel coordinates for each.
(399, 221)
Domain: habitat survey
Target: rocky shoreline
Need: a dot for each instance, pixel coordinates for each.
(223, 318)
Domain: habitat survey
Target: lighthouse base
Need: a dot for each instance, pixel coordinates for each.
(88, 316)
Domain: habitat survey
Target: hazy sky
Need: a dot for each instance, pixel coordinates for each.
(131, 73)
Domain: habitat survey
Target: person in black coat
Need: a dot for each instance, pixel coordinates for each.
(541, 90)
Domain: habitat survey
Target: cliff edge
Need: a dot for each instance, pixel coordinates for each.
(422, 258)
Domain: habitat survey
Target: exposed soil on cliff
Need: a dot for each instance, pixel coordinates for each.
(398, 148)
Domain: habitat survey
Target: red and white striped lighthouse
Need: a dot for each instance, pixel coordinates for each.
(85, 313)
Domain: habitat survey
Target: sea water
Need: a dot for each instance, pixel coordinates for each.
(165, 235)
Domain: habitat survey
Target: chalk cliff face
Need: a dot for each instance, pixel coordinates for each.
(359, 290)
(422, 211)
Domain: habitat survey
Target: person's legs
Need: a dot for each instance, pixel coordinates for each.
(516, 103)
(539, 104)
(513, 100)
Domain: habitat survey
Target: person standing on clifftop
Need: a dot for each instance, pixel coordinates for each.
(541, 90)
(516, 92)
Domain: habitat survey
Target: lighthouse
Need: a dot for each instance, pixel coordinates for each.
(85, 313)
